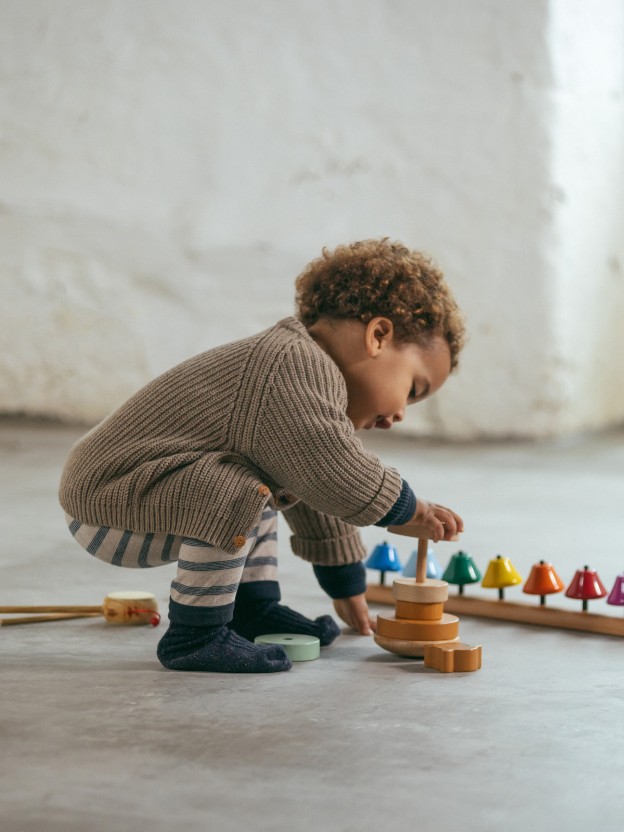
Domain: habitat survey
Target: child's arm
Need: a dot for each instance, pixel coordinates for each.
(303, 440)
(429, 521)
(317, 535)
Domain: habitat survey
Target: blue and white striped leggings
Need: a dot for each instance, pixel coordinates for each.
(207, 578)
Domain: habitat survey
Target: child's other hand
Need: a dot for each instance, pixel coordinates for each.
(438, 522)
(354, 612)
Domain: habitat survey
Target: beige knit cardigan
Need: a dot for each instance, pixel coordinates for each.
(200, 450)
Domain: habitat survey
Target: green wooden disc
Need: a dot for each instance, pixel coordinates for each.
(298, 648)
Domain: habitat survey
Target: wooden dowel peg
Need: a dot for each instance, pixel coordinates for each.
(421, 560)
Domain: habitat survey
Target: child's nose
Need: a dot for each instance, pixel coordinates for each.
(398, 416)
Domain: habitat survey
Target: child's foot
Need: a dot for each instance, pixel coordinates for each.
(218, 650)
(263, 617)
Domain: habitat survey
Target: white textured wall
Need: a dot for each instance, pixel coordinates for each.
(588, 175)
(167, 169)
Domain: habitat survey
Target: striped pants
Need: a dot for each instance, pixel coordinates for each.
(207, 580)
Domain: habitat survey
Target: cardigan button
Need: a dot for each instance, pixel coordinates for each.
(264, 490)
(240, 540)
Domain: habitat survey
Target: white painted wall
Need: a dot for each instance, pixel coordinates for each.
(588, 176)
(166, 170)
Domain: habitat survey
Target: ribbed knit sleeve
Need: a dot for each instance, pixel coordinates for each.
(403, 510)
(321, 539)
(303, 439)
(342, 581)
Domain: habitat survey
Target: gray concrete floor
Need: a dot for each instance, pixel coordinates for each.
(97, 736)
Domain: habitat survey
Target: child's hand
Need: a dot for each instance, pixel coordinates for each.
(432, 521)
(354, 612)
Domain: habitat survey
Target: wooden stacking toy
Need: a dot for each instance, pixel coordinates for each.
(117, 608)
(420, 623)
(543, 581)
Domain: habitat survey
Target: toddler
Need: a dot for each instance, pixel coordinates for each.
(194, 467)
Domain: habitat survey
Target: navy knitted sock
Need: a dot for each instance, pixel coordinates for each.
(258, 618)
(218, 650)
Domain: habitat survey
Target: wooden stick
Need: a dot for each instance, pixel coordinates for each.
(35, 619)
(421, 560)
(64, 608)
(585, 622)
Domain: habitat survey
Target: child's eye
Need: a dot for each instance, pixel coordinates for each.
(412, 392)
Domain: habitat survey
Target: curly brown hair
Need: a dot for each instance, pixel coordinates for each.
(378, 277)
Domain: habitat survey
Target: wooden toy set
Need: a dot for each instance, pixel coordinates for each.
(543, 581)
(117, 608)
(420, 627)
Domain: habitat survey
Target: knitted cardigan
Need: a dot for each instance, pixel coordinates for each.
(200, 451)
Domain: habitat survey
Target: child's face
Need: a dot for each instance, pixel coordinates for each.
(384, 378)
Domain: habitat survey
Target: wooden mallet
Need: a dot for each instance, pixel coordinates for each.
(126, 607)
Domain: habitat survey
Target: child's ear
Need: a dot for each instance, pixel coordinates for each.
(379, 334)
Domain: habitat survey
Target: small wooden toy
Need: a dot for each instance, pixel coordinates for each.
(586, 586)
(543, 581)
(298, 648)
(117, 608)
(419, 620)
(453, 658)
(616, 596)
(461, 570)
(501, 573)
(384, 558)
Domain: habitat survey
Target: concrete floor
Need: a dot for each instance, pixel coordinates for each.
(97, 736)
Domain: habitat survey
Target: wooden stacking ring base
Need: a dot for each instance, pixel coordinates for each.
(411, 649)
(444, 629)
